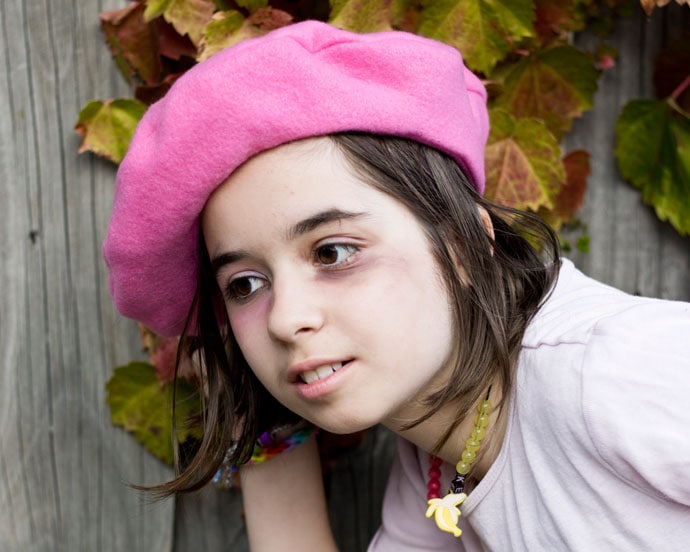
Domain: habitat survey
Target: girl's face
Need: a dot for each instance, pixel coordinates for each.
(330, 286)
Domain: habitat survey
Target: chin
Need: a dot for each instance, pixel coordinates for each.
(341, 426)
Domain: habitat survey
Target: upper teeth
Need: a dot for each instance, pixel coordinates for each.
(321, 372)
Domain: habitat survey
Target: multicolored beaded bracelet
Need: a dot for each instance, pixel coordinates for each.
(269, 444)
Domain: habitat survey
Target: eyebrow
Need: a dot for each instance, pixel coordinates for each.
(319, 219)
(299, 229)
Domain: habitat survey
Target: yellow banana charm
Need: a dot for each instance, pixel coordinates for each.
(446, 512)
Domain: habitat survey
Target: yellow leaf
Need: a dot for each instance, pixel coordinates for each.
(227, 28)
(523, 165)
(189, 17)
(362, 16)
(107, 127)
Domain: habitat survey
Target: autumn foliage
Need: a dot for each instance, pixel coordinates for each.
(538, 81)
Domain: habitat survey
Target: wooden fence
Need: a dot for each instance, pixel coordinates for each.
(63, 467)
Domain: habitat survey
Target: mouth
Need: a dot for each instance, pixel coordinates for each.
(321, 372)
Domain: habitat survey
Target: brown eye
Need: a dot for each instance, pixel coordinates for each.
(327, 254)
(241, 287)
(244, 287)
(333, 254)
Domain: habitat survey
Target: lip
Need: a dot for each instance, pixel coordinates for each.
(320, 387)
(299, 368)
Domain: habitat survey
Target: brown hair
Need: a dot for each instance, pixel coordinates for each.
(495, 286)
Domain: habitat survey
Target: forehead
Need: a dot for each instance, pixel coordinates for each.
(288, 183)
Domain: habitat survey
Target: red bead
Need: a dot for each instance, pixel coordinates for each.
(431, 495)
(435, 461)
(434, 485)
(434, 473)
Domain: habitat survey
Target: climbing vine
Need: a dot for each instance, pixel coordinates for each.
(538, 83)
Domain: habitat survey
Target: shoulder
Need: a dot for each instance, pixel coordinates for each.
(620, 366)
(635, 396)
(575, 306)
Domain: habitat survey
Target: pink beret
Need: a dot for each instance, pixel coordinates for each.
(303, 80)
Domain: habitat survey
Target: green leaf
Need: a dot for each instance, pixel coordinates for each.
(252, 5)
(189, 17)
(483, 30)
(653, 153)
(132, 43)
(405, 14)
(143, 407)
(107, 127)
(230, 27)
(583, 244)
(523, 165)
(554, 85)
(221, 32)
(155, 8)
(362, 16)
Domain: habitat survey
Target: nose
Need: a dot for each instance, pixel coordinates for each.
(296, 308)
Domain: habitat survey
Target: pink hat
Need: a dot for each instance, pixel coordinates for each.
(303, 80)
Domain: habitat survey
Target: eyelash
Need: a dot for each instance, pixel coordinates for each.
(232, 295)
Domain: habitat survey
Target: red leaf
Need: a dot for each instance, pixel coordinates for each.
(151, 94)
(132, 42)
(554, 85)
(164, 357)
(172, 44)
(672, 68)
(162, 353)
(577, 170)
(268, 19)
(571, 196)
(557, 17)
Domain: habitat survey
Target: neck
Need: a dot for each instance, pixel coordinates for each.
(427, 434)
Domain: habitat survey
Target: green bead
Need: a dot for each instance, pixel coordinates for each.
(468, 456)
(472, 444)
(478, 433)
(482, 420)
(484, 407)
(462, 467)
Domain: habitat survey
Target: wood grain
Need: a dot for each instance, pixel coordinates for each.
(63, 467)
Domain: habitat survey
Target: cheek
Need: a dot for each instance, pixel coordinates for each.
(411, 286)
(417, 304)
(248, 325)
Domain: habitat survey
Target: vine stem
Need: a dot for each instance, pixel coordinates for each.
(681, 88)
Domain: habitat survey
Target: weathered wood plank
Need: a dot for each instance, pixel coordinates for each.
(630, 249)
(63, 467)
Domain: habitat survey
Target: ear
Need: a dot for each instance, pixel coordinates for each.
(486, 221)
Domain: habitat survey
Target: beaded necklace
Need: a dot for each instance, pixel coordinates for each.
(445, 510)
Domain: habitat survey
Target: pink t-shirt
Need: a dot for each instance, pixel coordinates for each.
(596, 454)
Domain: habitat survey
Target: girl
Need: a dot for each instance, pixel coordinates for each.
(308, 205)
